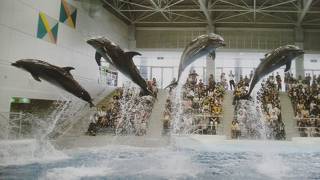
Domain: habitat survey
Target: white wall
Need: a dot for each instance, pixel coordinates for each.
(18, 27)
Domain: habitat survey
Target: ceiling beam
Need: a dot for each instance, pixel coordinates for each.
(254, 10)
(278, 4)
(222, 22)
(306, 7)
(204, 9)
(158, 8)
(117, 10)
(136, 4)
(221, 10)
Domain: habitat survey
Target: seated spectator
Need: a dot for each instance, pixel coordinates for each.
(92, 129)
(200, 104)
(268, 98)
(304, 95)
(133, 121)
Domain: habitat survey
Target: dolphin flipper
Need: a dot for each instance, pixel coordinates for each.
(35, 77)
(130, 54)
(213, 55)
(197, 50)
(173, 85)
(98, 58)
(288, 66)
(68, 69)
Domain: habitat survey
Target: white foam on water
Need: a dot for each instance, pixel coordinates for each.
(172, 164)
(75, 173)
(272, 165)
(126, 161)
(21, 152)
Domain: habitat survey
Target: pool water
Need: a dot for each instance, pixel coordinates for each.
(184, 159)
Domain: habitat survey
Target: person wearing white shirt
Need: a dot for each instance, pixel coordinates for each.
(231, 81)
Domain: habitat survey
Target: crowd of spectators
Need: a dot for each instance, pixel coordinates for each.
(201, 105)
(305, 97)
(270, 102)
(247, 121)
(242, 125)
(126, 113)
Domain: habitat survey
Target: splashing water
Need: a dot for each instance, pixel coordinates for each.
(132, 107)
(39, 148)
(182, 122)
(253, 124)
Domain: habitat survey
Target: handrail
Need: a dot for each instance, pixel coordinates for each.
(13, 120)
(306, 118)
(200, 115)
(219, 126)
(311, 131)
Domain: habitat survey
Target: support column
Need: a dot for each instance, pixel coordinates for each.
(210, 64)
(132, 37)
(299, 61)
(94, 7)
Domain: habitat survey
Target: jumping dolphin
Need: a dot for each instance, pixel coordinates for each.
(113, 54)
(201, 46)
(273, 60)
(59, 76)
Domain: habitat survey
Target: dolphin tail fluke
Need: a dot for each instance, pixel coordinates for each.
(172, 85)
(246, 97)
(131, 54)
(146, 92)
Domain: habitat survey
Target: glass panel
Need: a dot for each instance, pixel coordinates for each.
(199, 71)
(156, 73)
(167, 76)
(144, 71)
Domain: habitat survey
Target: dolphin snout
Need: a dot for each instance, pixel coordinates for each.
(91, 41)
(14, 64)
(300, 51)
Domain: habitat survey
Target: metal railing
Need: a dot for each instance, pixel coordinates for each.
(16, 125)
(208, 129)
(309, 131)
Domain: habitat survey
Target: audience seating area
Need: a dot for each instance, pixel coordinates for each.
(305, 98)
(126, 113)
(246, 124)
(201, 108)
(201, 104)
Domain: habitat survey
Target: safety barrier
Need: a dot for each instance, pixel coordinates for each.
(16, 125)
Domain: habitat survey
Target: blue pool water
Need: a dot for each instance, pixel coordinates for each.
(220, 160)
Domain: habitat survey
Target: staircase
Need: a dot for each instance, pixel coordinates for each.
(81, 125)
(155, 126)
(227, 114)
(287, 114)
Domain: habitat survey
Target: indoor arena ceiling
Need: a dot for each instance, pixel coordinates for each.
(220, 13)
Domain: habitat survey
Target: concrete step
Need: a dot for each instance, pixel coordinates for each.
(287, 114)
(227, 114)
(155, 125)
(80, 126)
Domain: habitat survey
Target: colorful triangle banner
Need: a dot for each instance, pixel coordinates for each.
(47, 28)
(68, 14)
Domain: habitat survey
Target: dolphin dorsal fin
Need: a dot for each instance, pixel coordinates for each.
(68, 69)
(130, 54)
(98, 58)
